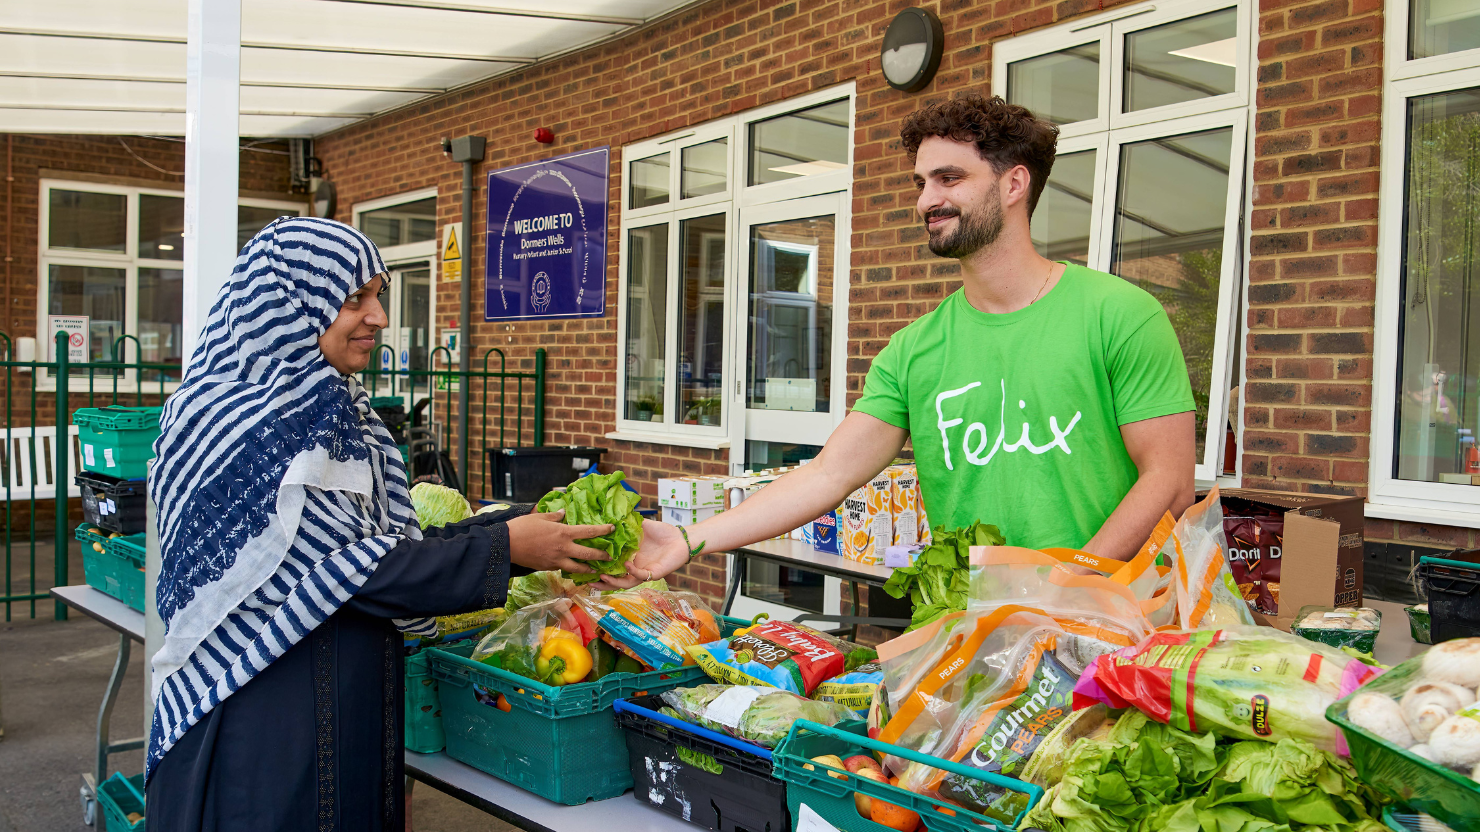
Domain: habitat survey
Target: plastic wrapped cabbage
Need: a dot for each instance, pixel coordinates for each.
(598, 500)
(760, 714)
(438, 505)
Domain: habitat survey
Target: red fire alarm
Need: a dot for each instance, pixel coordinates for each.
(544, 136)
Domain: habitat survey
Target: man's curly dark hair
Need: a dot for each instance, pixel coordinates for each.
(1007, 135)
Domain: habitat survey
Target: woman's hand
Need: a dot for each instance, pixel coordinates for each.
(660, 551)
(542, 541)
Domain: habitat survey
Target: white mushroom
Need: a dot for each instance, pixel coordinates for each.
(1378, 713)
(1427, 704)
(1456, 661)
(1423, 750)
(1456, 742)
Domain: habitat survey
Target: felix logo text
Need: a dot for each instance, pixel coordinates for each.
(975, 440)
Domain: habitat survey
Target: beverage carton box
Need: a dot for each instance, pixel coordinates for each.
(687, 516)
(904, 504)
(867, 525)
(692, 492)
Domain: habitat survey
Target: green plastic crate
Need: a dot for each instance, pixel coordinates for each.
(561, 743)
(117, 797)
(117, 441)
(1422, 785)
(118, 570)
(423, 705)
(1418, 625)
(1364, 641)
(831, 797)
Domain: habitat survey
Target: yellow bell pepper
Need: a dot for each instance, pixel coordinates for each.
(563, 661)
(754, 622)
(556, 632)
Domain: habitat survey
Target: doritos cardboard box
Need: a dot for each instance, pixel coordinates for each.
(1287, 550)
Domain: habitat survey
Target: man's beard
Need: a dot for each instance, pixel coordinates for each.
(975, 229)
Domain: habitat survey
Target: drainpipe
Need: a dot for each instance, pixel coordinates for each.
(468, 150)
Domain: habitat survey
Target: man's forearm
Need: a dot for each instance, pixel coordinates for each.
(1131, 523)
(796, 498)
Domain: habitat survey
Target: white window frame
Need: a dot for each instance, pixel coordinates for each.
(393, 255)
(1110, 130)
(1388, 496)
(736, 199)
(128, 261)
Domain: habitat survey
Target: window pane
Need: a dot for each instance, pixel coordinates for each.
(416, 318)
(701, 320)
(789, 366)
(251, 219)
(1440, 355)
(647, 304)
(397, 225)
(704, 168)
(161, 306)
(1438, 27)
(1181, 61)
(78, 219)
(803, 143)
(1061, 222)
(1062, 87)
(1169, 226)
(649, 181)
(162, 227)
(91, 291)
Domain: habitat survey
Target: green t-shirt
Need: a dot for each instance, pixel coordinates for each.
(1015, 418)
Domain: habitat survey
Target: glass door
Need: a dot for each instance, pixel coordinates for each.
(406, 343)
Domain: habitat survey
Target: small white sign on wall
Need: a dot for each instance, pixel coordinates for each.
(78, 331)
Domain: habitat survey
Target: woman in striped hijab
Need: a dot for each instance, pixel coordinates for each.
(289, 544)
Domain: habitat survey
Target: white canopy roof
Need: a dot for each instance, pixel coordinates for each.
(307, 66)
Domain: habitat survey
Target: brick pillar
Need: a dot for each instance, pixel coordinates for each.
(1312, 274)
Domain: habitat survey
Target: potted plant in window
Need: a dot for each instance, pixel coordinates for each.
(703, 412)
(648, 407)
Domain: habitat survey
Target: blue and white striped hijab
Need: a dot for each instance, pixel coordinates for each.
(278, 488)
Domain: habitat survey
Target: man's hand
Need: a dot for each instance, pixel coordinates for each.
(542, 541)
(660, 551)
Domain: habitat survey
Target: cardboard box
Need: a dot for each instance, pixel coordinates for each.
(825, 533)
(867, 526)
(692, 492)
(1321, 555)
(687, 516)
(904, 499)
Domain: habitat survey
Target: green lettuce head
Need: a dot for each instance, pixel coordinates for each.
(438, 505)
(599, 500)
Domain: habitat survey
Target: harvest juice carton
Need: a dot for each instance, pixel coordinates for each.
(867, 527)
(904, 504)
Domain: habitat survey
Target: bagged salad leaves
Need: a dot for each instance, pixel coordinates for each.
(780, 654)
(937, 581)
(652, 626)
(451, 628)
(596, 500)
(852, 688)
(762, 715)
(537, 587)
(1252, 683)
(438, 505)
(1147, 777)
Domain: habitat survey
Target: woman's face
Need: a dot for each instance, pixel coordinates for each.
(348, 342)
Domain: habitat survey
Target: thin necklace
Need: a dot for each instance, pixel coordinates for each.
(1046, 278)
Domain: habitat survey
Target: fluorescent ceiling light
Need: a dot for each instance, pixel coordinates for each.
(1220, 52)
(809, 168)
(166, 247)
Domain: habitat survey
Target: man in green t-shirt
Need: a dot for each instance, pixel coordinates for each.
(1046, 398)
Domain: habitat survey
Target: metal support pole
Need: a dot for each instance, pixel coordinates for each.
(469, 151)
(110, 698)
(539, 397)
(61, 548)
(212, 157)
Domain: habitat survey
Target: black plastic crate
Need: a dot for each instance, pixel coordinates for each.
(1453, 585)
(709, 779)
(114, 504)
(524, 475)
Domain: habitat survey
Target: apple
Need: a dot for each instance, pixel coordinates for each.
(861, 801)
(858, 761)
(831, 761)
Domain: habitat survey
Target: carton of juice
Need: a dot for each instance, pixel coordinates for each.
(904, 504)
(867, 527)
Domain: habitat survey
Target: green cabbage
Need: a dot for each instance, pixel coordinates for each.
(599, 500)
(438, 505)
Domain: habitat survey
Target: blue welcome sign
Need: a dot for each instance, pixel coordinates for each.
(546, 239)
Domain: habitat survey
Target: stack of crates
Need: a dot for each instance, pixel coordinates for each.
(113, 565)
(117, 441)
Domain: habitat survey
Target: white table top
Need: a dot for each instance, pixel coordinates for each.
(1394, 642)
(805, 557)
(532, 812)
(103, 607)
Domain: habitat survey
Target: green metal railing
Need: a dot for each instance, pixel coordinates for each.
(141, 383)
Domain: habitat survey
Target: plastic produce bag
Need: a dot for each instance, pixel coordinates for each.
(530, 644)
(1247, 683)
(852, 688)
(985, 689)
(458, 627)
(537, 587)
(760, 714)
(655, 627)
(1207, 597)
(777, 653)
